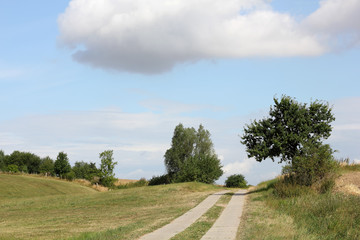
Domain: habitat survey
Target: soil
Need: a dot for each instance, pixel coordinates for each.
(348, 183)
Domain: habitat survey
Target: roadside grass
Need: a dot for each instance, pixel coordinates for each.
(328, 216)
(259, 221)
(307, 216)
(119, 214)
(205, 222)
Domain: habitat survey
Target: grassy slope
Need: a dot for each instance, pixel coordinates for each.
(311, 216)
(22, 186)
(128, 213)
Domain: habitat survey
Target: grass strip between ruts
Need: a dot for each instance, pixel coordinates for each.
(204, 223)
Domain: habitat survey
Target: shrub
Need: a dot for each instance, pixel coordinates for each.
(13, 168)
(313, 164)
(236, 180)
(70, 176)
(159, 180)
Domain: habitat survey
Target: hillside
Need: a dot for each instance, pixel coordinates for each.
(304, 213)
(25, 186)
(38, 208)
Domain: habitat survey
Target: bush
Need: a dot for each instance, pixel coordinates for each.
(13, 168)
(108, 181)
(70, 176)
(313, 164)
(159, 180)
(236, 180)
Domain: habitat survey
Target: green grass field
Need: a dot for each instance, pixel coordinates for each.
(27, 186)
(39, 208)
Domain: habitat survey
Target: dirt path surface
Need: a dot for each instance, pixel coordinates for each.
(184, 221)
(349, 183)
(227, 224)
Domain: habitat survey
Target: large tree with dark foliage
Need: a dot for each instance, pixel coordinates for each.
(192, 156)
(290, 126)
(84, 170)
(25, 161)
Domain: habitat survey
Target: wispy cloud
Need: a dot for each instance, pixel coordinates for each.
(139, 140)
(10, 73)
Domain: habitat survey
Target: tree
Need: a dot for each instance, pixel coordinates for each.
(182, 147)
(290, 126)
(2, 161)
(47, 166)
(107, 177)
(236, 180)
(85, 170)
(26, 162)
(192, 156)
(62, 165)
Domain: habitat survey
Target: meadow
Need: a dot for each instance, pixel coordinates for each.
(40, 208)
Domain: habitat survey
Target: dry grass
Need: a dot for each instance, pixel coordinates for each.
(348, 183)
(259, 221)
(124, 181)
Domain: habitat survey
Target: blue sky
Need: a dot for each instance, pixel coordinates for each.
(87, 76)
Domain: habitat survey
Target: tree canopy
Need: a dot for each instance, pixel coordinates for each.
(289, 127)
(62, 165)
(236, 180)
(107, 176)
(192, 156)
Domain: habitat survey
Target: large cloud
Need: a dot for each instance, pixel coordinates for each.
(338, 21)
(153, 36)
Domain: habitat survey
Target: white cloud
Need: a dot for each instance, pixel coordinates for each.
(153, 36)
(238, 167)
(269, 176)
(338, 21)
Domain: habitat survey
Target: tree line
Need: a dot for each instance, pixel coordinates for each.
(30, 163)
(293, 133)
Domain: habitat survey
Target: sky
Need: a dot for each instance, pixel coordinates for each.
(84, 76)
